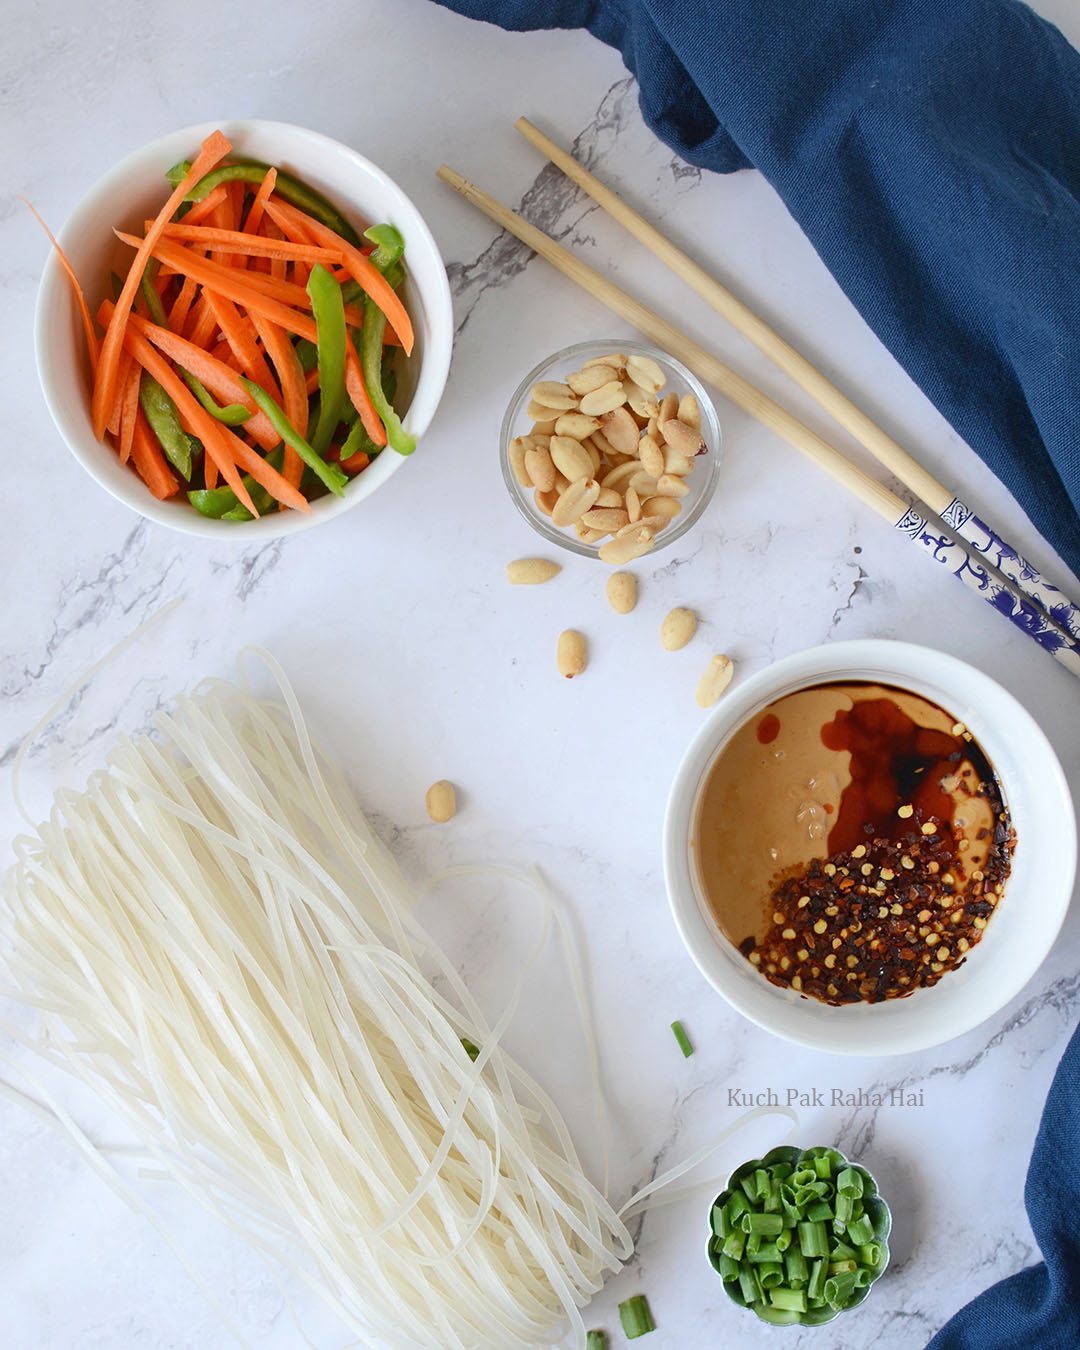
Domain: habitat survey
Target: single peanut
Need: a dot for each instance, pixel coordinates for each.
(668, 485)
(622, 592)
(570, 655)
(678, 628)
(603, 400)
(625, 547)
(616, 360)
(516, 456)
(621, 431)
(552, 394)
(578, 498)
(531, 571)
(716, 679)
(570, 457)
(645, 373)
(683, 439)
(576, 424)
(540, 467)
(591, 377)
(689, 412)
(441, 801)
(651, 456)
(606, 518)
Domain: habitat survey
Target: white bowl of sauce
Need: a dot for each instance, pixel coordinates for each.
(869, 848)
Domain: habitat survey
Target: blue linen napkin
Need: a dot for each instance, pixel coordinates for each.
(1038, 1309)
(930, 150)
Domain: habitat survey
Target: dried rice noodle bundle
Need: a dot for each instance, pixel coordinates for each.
(216, 940)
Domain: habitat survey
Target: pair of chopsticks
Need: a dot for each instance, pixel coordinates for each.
(980, 558)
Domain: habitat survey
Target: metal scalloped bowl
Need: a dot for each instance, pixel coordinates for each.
(876, 1209)
(136, 188)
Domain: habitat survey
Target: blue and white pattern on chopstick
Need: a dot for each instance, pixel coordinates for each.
(960, 517)
(966, 565)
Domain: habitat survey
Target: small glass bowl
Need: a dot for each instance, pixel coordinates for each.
(702, 481)
(875, 1208)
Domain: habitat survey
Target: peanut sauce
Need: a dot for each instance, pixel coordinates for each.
(852, 842)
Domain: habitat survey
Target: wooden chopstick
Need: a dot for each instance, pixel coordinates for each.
(964, 564)
(1063, 613)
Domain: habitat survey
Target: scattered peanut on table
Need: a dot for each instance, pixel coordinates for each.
(678, 628)
(531, 571)
(607, 456)
(716, 679)
(441, 801)
(622, 591)
(570, 653)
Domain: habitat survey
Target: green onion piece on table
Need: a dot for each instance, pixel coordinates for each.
(596, 1340)
(635, 1317)
(683, 1039)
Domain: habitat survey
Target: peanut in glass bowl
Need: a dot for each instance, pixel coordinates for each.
(702, 481)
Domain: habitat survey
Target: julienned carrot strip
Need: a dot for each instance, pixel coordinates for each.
(213, 434)
(243, 288)
(356, 463)
(255, 245)
(215, 374)
(311, 380)
(149, 461)
(225, 279)
(203, 325)
(258, 206)
(358, 394)
(241, 338)
(112, 426)
(128, 410)
(178, 315)
(366, 275)
(294, 393)
(80, 298)
(214, 149)
(207, 206)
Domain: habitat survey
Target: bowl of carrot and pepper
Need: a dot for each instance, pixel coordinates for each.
(243, 329)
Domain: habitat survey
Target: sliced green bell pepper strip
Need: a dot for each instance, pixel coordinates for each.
(328, 474)
(164, 421)
(294, 190)
(221, 503)
(328, 310)
(389, 247)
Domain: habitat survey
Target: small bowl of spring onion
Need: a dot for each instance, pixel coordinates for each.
(799, 1236)
(244, 329)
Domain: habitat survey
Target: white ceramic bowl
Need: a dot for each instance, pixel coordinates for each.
(1024, 925)
(135, 190)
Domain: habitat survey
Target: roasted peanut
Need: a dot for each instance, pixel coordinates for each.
(531, 571)
(570, 653)
(678, 628)
(441, 801)
(716, 679)
(622, 592)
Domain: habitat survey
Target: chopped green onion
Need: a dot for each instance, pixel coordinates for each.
(850, 1182)
(770, 1224)
(471, 1050)
(792, 1300)
(860, 1231)
(795, 1267)
(683, 1039)
(813, 1240)
(729, 1268)
(635, 1317)
(596, 1340)
(720, 1220)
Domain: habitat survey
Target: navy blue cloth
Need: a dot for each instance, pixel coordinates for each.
(930, 150)
(1039, 1309)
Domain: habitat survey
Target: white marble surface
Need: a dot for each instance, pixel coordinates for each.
(404, 599)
